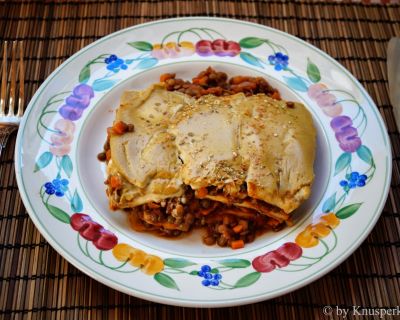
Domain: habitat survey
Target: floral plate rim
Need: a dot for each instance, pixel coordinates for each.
(192, 302)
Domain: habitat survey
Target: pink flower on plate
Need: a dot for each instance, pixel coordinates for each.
(280, 257)
(65, 126)
(62, 139)
(326, 101)
(290, 250)
(218, 47)
(90, 230)
(225, 48)
(269, 261)
(60, 150)
(333, 110)
(204, 48)
(315, 90)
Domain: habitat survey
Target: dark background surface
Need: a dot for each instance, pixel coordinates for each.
(37, 283)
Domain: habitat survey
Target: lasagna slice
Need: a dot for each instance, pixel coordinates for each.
(233, 165)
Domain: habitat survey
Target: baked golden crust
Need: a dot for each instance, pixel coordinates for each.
(266, 144)
(147, 158)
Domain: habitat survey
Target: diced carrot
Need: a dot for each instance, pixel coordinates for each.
(207, 211)
(237, 244)
(201, 192)
(238, 79)
(166, 76)
(244, 224)
(153, 205)
(108, 155)
(115, 182)
(120, 127)
(276, 95)
(227, 219)
(217, 91)
(201, 81)
(238, 228)
(273, 223)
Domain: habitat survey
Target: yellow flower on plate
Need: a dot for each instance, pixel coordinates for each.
(138, 258)
(173, 50)
(122, 251)
(149, 264)
(152, 265)
(310, 236)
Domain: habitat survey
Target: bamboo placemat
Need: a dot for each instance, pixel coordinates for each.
(37, 283)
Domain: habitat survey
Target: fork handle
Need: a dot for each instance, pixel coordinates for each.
(5, 133)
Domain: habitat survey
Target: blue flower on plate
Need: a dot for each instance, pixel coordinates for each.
(353, 180)
(115, 64)
(279, 60)
(57, 187)
(210, 278)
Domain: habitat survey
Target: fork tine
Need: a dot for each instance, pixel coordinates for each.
(11, 98)
(3, 82)
(21, 99)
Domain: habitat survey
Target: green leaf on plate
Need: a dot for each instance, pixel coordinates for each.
(348, 211)
(251, 42)
(76, 202)
(66, 165)
(250, 59)
(296, 83)
(178, 263)
(313, 71)
(214, 270)
(84, 75)
(247, 280)
(365, 155)
(166, 281)
(235, 263)
(58, 213)
(342, 162)
(194, 273)
(43, 161)
(141, 45)
(329, 203)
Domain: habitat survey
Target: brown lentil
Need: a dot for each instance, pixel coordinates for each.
(102, 156)
(217, 83)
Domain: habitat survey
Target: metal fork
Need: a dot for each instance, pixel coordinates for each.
(9, 120)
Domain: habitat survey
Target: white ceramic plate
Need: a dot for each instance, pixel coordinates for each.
(65, 125)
